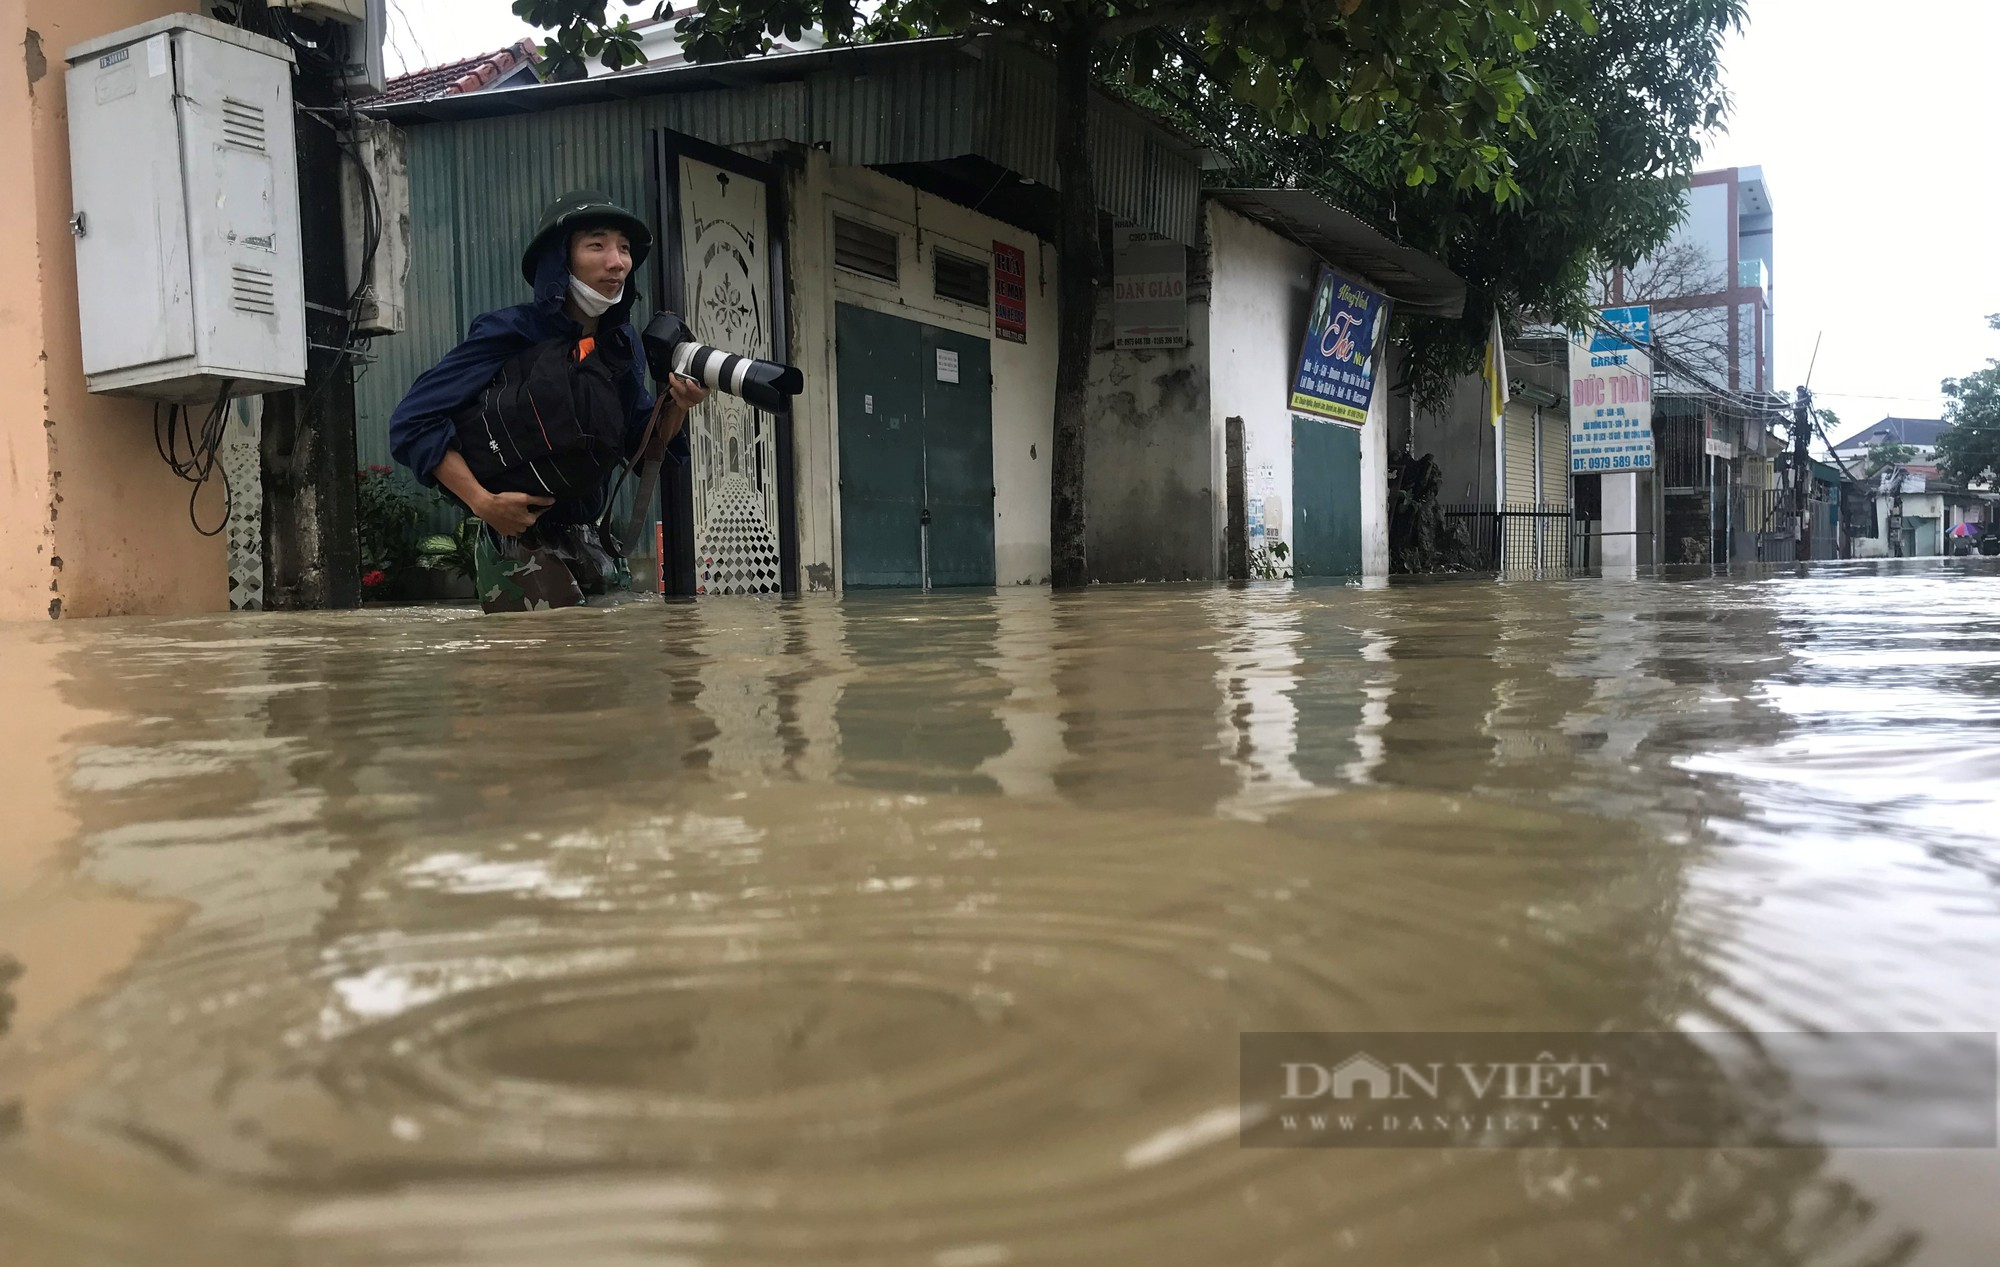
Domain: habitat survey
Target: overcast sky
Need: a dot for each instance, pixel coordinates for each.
(426, 32)
(1871, 124)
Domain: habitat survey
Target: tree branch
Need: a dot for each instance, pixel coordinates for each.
(1006, 19)
(1153, 17)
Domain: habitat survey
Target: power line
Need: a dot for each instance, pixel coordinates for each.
(1870, 396)
(1765, 403)
(1819, 425)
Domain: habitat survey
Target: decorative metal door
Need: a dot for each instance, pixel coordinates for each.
(721, 267)
(728, 288)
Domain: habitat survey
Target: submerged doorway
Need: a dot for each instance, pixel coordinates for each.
(915, 418)
(1326, 498)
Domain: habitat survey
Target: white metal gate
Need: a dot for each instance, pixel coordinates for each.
(726, 270)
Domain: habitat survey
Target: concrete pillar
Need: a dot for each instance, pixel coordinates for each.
(92, 523)
(1375, 479)
(1622, 495)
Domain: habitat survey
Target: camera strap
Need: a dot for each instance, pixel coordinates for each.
(648, 472)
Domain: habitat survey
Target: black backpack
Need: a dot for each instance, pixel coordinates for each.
(551, 423)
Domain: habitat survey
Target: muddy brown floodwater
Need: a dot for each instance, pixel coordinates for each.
(920, 930)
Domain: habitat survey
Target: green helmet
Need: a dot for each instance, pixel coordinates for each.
(585, 209)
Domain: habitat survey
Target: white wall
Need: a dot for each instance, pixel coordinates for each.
(1622, 494)
(1375, 481)
(1707, 225)
(1260, 294)
(1023, 373)
(1258, 302)
(1928, 506)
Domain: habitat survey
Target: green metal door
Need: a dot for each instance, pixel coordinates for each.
(881, 424)
(958, 457)
(1326, 498)
(916, 435)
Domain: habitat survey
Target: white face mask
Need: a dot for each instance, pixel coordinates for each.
(592, 301)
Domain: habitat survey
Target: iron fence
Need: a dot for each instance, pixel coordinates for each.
(1524, 537)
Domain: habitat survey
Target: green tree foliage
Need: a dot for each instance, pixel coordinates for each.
(1971, 445)
(1598, 166)
(1447, 80)
(1885, 453)
(582, 30)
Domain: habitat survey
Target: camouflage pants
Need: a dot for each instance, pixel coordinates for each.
(557, 565)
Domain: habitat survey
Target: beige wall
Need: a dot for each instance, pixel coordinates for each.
(93, 523)
(1023, 373)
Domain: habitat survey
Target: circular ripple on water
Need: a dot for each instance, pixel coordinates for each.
(871, 1029)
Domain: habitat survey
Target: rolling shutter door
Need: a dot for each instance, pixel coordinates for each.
(1518, 468)
(1555, 458)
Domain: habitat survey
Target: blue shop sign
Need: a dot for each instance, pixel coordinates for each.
(1337, 365)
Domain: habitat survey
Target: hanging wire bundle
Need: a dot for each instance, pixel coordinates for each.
(204, 451)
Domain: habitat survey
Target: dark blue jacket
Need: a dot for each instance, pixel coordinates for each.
(422, 429)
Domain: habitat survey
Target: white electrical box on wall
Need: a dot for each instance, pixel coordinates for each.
(184, 178)
(365, 26)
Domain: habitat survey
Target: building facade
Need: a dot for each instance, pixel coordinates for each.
(1918, 514)
(882, 217)
(1713, 496)
(1712, 286)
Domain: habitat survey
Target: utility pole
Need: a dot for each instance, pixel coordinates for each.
(312, 545)
(1802, 473)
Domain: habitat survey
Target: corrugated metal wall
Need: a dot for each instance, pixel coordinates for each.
(909, 112)
(478, 187)
(1142, 173)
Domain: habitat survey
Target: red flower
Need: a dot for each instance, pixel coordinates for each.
(372, 579)
(382, 470)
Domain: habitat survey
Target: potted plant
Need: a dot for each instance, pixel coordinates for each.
(453, 554)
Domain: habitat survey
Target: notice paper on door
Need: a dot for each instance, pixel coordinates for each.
(947, 366)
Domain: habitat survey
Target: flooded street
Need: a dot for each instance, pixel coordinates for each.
(920, 931)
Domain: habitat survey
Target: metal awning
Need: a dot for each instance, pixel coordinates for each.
(1418, 283)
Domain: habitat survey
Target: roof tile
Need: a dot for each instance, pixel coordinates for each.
(466, 75)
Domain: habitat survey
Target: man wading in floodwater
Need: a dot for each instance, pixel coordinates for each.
(525, 421)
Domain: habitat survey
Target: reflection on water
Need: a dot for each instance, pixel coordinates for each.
(921, 929)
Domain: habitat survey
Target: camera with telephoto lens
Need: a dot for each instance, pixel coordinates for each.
(672, 348)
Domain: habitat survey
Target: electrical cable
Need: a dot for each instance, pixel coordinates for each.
(204, 454)
(312, 49)
(1867, 396)
(1819, 425)
(371, 232)
(1768, 403)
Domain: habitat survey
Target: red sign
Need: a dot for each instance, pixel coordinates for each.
(1010, 292)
